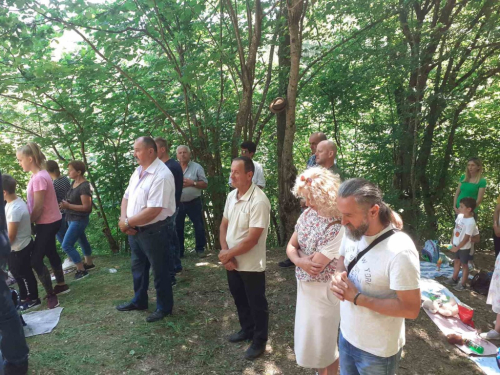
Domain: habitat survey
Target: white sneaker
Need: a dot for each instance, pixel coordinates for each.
(459, 287)
(68, 264)
(491, 335)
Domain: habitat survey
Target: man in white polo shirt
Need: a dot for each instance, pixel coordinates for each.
(243, 234)
(377, 280)
(146, 216)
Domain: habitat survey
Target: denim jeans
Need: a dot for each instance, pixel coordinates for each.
(194, 210)
(150, 249)
(62, 229)
(354, 361)
(74, 233)
(13, 344)
(174, 245)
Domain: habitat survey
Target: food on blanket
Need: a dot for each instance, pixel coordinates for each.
(439, 262)
(429, 305)
(455, 339)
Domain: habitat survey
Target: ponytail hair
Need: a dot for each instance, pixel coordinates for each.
(33, 150)
(368, 194)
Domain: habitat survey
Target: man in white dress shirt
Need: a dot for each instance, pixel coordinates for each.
(146, 216)
(248, 149)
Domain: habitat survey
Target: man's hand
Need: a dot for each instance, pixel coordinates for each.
(131, 232)
(231, 265)
(456, 210)
(309, 266)
(187, 182)
(224, 256)
(454, 249)
(123, 227)
(340, 285)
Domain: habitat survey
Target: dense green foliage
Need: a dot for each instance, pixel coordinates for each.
(408, 89)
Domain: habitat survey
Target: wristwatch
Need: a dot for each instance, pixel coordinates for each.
(194, 183)
(126, 222)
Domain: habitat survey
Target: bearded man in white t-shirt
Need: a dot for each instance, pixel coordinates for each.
(382, 288)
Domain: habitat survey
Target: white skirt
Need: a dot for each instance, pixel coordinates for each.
(317, 318)
(494, 292)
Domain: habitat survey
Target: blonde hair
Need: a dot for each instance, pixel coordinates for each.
(33, 150)
(321, 185)
(468, 177)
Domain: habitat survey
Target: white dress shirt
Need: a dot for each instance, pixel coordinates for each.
(156, 188)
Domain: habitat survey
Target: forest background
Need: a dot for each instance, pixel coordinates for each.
(408, 89)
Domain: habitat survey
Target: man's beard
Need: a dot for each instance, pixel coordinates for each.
(356, 233)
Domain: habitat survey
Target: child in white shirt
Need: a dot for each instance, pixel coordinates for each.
(465, 229)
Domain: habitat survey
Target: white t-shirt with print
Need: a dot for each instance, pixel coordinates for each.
(390, 266)
(463, 226)
(17, 212)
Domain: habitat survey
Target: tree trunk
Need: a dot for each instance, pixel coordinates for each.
(289, 205)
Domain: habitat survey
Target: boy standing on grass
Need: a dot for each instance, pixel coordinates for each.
(21, 243)
(465, 227)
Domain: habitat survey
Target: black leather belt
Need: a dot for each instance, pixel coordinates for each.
(150, 226)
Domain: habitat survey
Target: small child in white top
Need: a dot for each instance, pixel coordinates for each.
(463, 233)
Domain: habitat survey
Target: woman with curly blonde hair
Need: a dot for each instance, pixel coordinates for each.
(314, 249)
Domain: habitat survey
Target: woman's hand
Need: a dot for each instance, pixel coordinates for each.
(63, 205)
(307, 264)
(456, 210)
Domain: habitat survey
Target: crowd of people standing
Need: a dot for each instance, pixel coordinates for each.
(357, 272)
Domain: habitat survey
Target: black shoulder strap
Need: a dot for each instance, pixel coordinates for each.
(370, 246)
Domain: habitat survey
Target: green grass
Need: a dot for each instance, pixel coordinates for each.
(92, 337)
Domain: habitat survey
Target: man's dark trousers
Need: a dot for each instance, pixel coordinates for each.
(150, 248)
(194, 210)
(249, 293)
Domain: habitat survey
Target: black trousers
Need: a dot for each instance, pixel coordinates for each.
(249, 293)
(45, 246)
(20, 267)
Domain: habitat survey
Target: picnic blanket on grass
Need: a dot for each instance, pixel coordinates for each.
(487, 364)
(41, 322)
(429, 270)
(449, 325)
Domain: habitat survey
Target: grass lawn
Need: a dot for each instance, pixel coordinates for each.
(92, 337)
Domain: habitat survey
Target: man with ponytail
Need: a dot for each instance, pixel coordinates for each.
(377, 282)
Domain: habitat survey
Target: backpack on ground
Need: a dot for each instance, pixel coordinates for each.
(430, 251)
(481, 283)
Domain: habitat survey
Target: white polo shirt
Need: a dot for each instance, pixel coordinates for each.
(252, 210)
(156, 188)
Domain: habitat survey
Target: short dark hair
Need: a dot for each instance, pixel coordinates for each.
(77, 165)
(53, 167)
(248, 163)
(162, 142)
(9, 183)
(469, 203)
(250, 146)
(149, 143)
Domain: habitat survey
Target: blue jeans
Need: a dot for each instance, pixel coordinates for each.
(194, 210)
(62, 229)
(174, 246)
(13, 344)
(150, 248)
(354, 361)
(76, 232)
